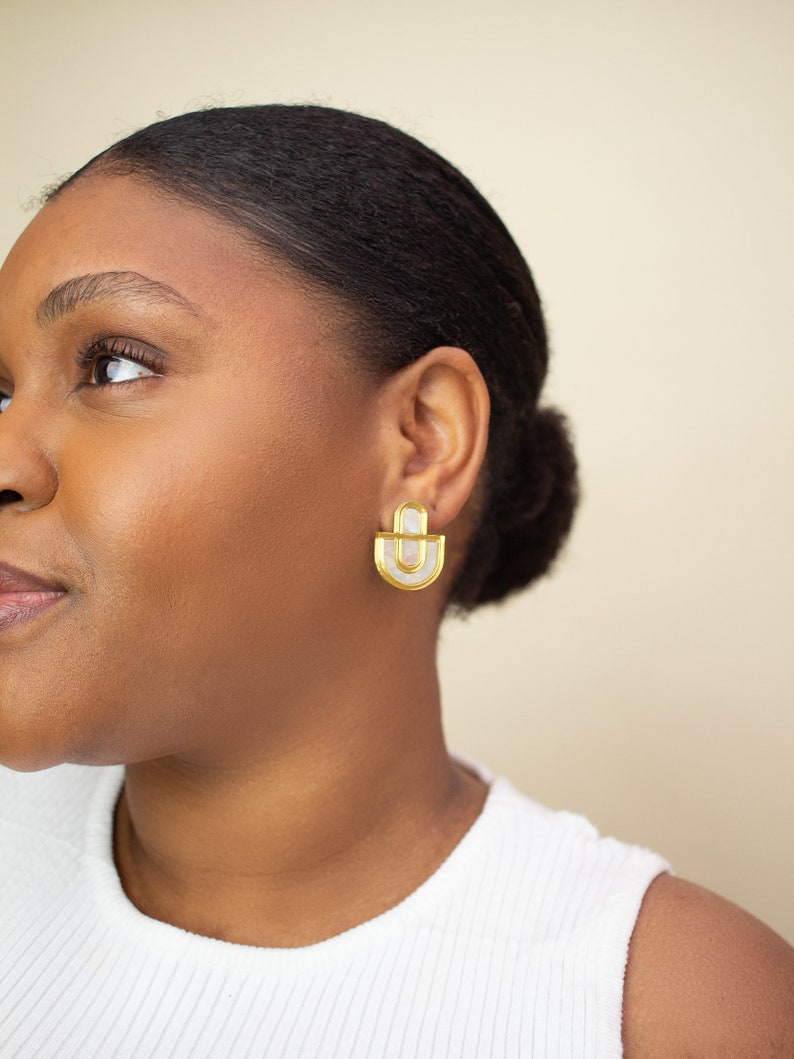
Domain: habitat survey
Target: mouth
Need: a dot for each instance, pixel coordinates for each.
(24, 596)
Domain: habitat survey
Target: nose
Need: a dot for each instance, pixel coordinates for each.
(28, 472)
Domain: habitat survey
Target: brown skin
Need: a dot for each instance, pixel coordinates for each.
(705, 980)
(224, 632)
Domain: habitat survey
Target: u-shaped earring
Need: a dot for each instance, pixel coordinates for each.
(409, 557)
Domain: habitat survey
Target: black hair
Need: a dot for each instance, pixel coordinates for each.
(402, 238)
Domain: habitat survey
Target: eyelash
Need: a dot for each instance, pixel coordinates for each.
(104, 346)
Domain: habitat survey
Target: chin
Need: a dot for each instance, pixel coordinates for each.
(28, 760)
(35, 744)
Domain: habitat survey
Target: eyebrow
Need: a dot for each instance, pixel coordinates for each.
(81, 290)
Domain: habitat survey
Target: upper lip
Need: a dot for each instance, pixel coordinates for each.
(12, 579)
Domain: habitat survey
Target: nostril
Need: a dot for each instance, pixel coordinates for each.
(9, 496)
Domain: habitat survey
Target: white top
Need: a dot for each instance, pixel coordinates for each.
(515, 947)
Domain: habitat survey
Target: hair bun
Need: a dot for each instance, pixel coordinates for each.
(532, 511)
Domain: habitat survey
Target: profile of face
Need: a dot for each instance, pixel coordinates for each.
(200, 437)
(188, 460)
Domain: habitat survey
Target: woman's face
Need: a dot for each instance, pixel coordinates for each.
(188, 456)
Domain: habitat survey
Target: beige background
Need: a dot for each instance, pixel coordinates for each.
(642, 155)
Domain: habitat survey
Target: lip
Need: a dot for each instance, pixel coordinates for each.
(14, 579)
(24, 596)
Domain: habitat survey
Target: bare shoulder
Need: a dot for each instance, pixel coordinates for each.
(705, 979)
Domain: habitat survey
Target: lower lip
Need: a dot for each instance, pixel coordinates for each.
(19, 607)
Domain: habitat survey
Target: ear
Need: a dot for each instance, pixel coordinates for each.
(434, 415)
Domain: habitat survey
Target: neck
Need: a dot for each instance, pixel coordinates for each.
(293, 841)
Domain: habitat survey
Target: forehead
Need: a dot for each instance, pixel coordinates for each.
(116, 224)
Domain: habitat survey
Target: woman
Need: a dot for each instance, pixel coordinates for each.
(270, 380)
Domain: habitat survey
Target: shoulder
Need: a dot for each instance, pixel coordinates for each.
(705, 978)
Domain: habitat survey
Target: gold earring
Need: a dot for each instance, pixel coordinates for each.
(409, 557)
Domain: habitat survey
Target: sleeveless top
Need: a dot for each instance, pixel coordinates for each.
(515, 947)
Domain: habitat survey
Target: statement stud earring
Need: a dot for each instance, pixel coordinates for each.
(409, 557)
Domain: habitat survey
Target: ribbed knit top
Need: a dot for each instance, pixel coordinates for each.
(516, 946)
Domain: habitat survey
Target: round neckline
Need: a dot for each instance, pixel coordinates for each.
(121, 914)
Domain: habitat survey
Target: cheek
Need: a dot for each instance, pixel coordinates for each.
(220, 534)
(185, 508)
(218, 549)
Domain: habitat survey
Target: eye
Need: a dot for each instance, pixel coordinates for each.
(5, 401)
(106, 361)
(108, 369)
